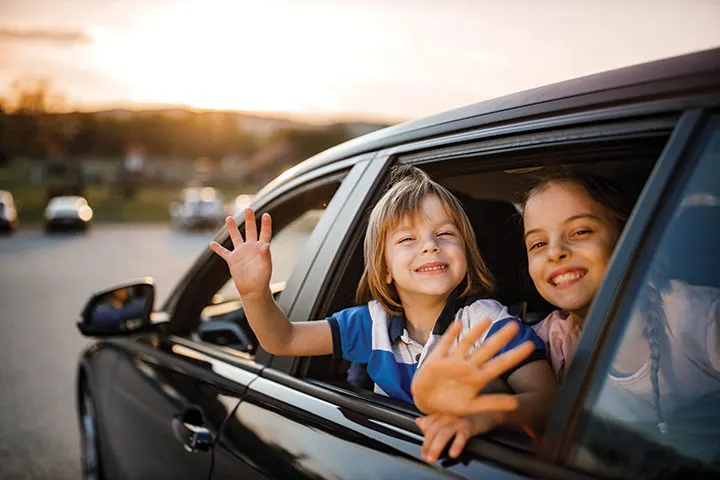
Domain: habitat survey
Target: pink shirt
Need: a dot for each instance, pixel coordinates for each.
(560, 331)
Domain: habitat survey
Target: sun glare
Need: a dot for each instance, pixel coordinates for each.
(241, 56)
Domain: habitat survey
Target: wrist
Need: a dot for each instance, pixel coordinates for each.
(262, 295)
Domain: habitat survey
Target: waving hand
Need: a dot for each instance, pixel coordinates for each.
(249, 262)
(451, 378)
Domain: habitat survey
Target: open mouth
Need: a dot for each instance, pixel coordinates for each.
(567, 278)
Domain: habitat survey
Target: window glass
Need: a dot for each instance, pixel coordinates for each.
(223, 322)
(656, 411)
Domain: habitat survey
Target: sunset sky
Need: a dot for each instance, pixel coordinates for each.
(327, 58)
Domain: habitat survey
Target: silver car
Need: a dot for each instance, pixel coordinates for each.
(68, 212)
(199, 207)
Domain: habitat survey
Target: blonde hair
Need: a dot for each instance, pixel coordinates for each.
(409, 187)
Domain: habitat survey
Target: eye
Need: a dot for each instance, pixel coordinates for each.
(404, 239)
(536, 245)
(446, 232)
(581, 232)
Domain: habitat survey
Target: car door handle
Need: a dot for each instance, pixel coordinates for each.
(190, 430)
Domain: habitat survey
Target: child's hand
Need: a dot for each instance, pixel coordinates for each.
(448, 382)
(439, 429)
(249, 262)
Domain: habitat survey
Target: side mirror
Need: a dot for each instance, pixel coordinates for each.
(120, 311)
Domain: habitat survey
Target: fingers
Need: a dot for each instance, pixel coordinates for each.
(439, 434)
(461, 438)
(265, 228)
(446, 341)
(251, 234)
(503, 402)
(471, 337)
(494, 343)
(234, 232)
(220, 250)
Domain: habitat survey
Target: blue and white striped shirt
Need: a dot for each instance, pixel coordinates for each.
(368, 334)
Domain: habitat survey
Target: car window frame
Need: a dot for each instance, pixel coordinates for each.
(632, 259)
(186, 291)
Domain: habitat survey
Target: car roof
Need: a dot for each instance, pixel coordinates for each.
(652, 80)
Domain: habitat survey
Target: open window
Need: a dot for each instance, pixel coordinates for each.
(490, 186)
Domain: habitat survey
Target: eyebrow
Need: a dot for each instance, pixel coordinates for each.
(568, 220)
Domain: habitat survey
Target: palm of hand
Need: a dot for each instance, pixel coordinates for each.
(249, 262)
(250, 267)
(446, 383)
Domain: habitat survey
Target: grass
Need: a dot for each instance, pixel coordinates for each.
(151, 204)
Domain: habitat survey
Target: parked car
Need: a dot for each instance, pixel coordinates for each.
(8, 212)
(198, 208)
(68, 212)
(159, 397)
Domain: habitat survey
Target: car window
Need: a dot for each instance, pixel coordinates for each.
(223, 322)
(656, 410)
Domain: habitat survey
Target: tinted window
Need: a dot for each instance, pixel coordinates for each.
(657, 410)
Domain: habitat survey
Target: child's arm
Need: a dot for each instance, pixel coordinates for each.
(251, 268)
(535, 387)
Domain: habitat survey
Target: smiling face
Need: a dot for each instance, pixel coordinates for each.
(425, 254)
(569, 239)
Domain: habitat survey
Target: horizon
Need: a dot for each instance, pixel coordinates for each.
(321, 60)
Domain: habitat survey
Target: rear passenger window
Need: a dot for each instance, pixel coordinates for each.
(223, 322)
(656, 412)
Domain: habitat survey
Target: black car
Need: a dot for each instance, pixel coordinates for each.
(184, 391)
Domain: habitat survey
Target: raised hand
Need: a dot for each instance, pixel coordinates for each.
(449, 380)
(249, 262)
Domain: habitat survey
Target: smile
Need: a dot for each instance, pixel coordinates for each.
(568, 277)
(432, 268)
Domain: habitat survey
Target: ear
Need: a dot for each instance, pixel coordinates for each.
(388, 278)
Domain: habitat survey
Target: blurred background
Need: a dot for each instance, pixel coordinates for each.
(140, 125)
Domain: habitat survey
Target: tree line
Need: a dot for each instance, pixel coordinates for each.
(34, 123)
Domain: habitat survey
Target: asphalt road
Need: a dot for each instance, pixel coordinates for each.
(44, 283)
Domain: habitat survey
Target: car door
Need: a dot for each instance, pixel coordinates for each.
(302, 214)
(162, 407)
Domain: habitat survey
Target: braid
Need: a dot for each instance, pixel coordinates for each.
(653, 331)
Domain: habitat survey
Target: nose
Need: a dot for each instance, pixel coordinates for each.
(430, 245)
(558, 251)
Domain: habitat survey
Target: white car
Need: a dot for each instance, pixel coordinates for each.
(71, 211)
(199, 207)
(8, 212)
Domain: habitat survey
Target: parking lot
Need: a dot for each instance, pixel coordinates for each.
(44, 282)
